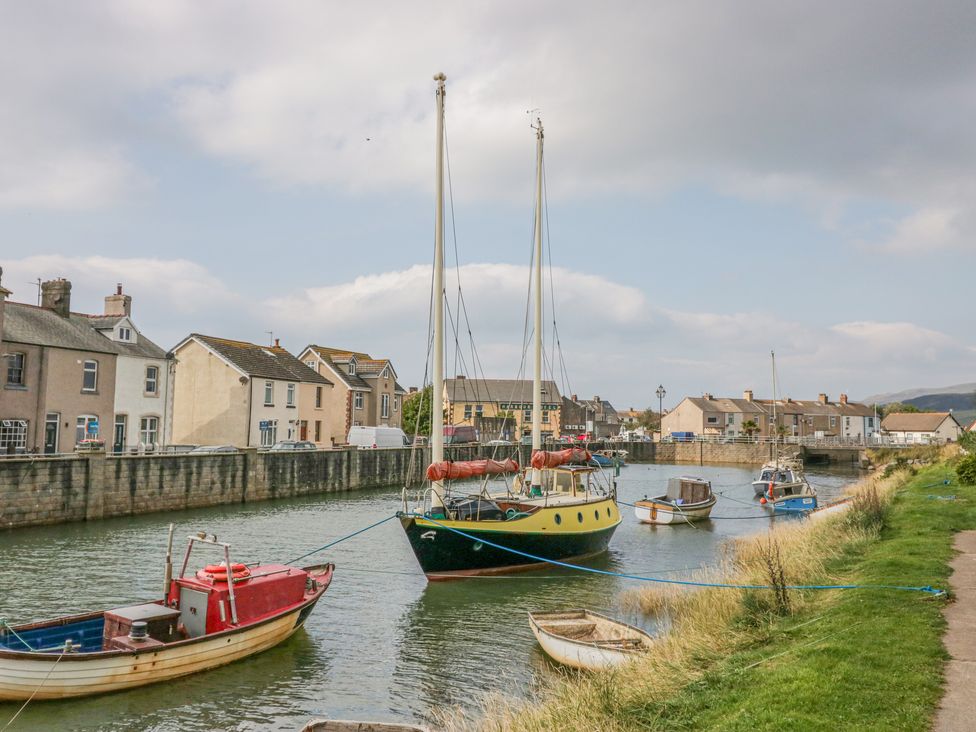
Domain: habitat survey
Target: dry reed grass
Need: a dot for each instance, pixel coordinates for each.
(706, 624)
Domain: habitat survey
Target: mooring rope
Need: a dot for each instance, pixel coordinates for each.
(691, 583)
(8, 626)
(34, 693)
(344, 538)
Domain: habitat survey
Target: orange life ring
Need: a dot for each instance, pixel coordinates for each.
(222, 568)
(218, 572)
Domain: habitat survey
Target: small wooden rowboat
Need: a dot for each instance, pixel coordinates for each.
(206, 620)
(688, 499)
(587, 640)
(346, 725)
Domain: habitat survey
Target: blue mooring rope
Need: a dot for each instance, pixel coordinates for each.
(337, 541)
(928, 589)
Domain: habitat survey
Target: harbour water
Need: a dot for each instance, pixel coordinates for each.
(383, 644)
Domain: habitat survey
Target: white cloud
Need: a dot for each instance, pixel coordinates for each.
(926, 230)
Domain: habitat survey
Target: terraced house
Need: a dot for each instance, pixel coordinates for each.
(228, 392)
(72, 376)
(366, 391)
(472, 401)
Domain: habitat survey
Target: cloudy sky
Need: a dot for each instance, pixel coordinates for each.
(724, 178)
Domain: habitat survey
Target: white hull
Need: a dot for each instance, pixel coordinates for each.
(81, 674)
(589, 655)
(662, 512)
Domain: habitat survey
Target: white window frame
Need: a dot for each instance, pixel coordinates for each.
(351, 368)
(145, 431)
(467, 411)
(269, 436)
(396, 403)
(84, 374)
(311, 365)
(479, 410)
(290, 396)
(385, 406)
(82, 422)
(11, 360)
(153, 380)
(269, 393)
(125, 334)
(357, 400)
(318, 397)
(13, 433)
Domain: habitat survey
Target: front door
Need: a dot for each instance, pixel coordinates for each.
(51, 424)
(303, 431)
(118, 441)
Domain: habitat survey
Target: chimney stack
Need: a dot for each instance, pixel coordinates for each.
(822, 398)
(56, 296)
(277, 343)
(843, 398)
(747, 395)
(706, 395)
(118, 304)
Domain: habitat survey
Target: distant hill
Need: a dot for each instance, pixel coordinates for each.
(944, 402)
(910, 394)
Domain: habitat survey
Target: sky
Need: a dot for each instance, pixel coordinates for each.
(723, 179)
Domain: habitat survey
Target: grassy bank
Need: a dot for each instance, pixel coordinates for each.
(736, 659)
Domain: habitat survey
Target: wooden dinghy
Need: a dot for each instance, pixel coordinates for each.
(587, 640)
(346, 725)
(207, 619)
(688, 499)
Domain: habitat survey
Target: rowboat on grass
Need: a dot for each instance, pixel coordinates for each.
(587, 640)
(207, 619)
(688, 499)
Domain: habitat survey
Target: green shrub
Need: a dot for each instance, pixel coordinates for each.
(966, 470)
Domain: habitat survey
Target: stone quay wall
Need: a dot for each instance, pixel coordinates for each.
(38, 490)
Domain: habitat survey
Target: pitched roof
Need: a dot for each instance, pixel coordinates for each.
(338, 360)
(499, 390)
(39, 326)
(270, 362)
(915, 421)
(142, 347)
(726, 406)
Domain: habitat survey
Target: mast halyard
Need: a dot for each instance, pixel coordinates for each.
(437, 395)
(537, 375)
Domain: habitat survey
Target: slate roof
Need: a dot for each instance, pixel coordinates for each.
(499, 390)
(725, 406)
(339, 360)
(915, 421)
(143, 347)
(269, 362)
(39, 326)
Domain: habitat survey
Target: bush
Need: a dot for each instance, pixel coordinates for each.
(901, 463)
(868, 509)
(966, 470)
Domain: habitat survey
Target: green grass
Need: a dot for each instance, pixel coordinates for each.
(855, 659)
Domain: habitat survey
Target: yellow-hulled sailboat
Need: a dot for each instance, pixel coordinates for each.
(561, 508)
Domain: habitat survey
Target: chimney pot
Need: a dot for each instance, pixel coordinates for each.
(56, 296)
(277, 343)
(118, 288)
(822, 398)
(706, 395)
(843, 398)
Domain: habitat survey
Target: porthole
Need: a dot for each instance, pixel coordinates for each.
(579, 517)
(559, 519)
(608, 511)
(596, 515)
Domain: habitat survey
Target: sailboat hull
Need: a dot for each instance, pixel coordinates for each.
(444, 554)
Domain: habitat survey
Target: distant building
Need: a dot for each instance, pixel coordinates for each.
(711, 416)
(239, 393)
(366, 391)
(630, 418)
(467, 401)
(594, 417)
(919, 428)
(71, 376)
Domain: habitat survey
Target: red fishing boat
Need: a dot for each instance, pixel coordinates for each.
(221, 613)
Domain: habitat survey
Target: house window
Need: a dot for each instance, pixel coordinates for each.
(310, 364)
(15, 369)
(318, 430)
(269, 432)
(730, 419)
(86, 427)
(545, 417)
(396, 404)
(833, 421)
(125, 334)
(318, 397)
(290, 398)
(467, 411)
(526, 415)
(152, 379)
(871, 422)
(13, 434)
(149, 431)
(385, 405)
(269, 393)
(712, 420)
(479, 410)
(358, 400)
(89, 381)
(352, 368)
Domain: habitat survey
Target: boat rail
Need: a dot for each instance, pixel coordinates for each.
(202, 538)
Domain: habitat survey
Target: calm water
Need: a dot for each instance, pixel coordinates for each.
(383, 643)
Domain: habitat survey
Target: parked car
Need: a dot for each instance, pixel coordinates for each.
(421, 440)
(370, 437)
(292, 445)
(210, 449)
(459, 434)
(499, 442)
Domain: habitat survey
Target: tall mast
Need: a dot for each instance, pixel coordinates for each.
(437, 397)
(772, 355)
(537, 375)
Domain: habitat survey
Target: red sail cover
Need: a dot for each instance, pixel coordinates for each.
(542, 459)
(470, 469)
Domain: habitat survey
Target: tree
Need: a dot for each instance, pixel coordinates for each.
(417, 404)
(750, 427)
(649, 420)
(899, 407)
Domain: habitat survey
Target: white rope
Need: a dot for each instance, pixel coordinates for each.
(33, 693)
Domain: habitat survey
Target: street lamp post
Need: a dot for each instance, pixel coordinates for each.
(661, 393)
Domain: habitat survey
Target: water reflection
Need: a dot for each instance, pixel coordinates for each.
(382, 643)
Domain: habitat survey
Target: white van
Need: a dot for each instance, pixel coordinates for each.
(369, 437)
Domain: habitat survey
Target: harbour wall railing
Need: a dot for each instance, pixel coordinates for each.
(36, 490)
